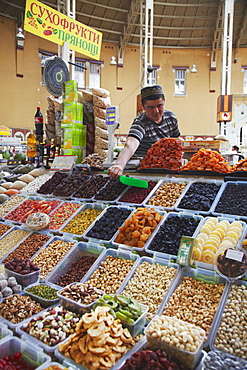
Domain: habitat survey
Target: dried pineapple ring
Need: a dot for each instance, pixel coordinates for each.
(232, 234)
(213, 220)
(210, 224)
(244, 242)
(236, 229)
(237, 223)
(206, 230)
(208, 257)
(203, 236)
(210, 247)
(200, 240)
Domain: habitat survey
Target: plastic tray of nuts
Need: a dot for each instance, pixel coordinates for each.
(10, 204)
(51, 254)
(187, 352)
(107, 223)
(167, 218)
(205, 209)
(75, 290)
(229, 332)
(18, 310)
(48, 340)
(82, 219)
(218, 360)
(117, 268)
(76, 264)
(166, 195)
(186, 299)
(27, 247)
(150, 281)
(11, 239)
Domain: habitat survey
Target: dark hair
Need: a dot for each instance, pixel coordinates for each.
(235, 147)
(153, 97)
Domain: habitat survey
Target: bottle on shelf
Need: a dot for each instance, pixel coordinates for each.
(31, 146)
(38, 120)
(52, 152)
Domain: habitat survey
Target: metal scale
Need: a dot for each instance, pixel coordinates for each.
(112, 122)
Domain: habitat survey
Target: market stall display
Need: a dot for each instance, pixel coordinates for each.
(155, 282)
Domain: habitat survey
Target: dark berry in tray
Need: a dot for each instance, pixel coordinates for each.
(168, 237)
(107, 225)
(200, 196)
(233, 200)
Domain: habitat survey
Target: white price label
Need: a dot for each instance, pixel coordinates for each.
(234, 254)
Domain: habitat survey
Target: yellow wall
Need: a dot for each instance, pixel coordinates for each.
(196, 112)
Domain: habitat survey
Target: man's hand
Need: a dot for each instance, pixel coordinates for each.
(115, 171)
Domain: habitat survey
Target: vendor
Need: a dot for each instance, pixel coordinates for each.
(153, 124)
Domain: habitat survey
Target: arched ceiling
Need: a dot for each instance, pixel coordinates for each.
(176, 23)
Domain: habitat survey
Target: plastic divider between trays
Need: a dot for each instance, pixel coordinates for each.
(85, 206)
(221, 311)
(5, 332)
(209, 266)
(136, 249)
(29, 198)
(101, 241)
(58, 231)
(142, 204)
(31, 353)
(167, 216)
(206, 276)
(82, 249)
(217, 199)
(53, 239)
(121, 254)
(161, 183)
(219, 183)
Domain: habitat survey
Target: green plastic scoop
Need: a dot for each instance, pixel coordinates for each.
(131, 181)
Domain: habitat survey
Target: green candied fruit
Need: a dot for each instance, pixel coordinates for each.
(121, 316)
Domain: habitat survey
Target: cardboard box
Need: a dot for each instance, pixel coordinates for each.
(194, 145)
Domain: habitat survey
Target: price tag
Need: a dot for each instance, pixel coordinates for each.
(234, 254)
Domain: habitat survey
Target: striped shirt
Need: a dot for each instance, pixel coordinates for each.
(148, 132)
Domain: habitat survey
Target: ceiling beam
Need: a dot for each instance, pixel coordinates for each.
(217, 37)
(240, 35)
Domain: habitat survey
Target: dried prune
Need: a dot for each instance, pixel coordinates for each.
(107, 225)
(233, 200)
(199, 196)
(168, 237)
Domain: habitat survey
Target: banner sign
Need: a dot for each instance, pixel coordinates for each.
(43, 21)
